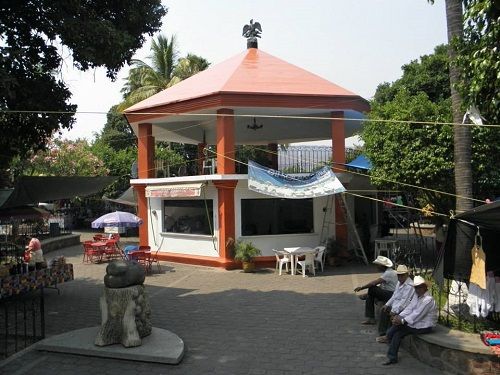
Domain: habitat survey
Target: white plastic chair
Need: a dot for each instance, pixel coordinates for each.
(382, 248)
(281, 258)
(320, 256)
(209, 166)
(308, 261)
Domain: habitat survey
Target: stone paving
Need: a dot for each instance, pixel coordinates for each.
(231, 322)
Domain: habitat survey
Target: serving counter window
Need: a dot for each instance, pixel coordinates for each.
(276, 216)
(188, 216)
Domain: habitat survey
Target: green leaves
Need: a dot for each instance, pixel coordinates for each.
(96, 33)
(422, 155)
(479, 58)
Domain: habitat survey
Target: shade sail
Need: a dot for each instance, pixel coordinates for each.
(361, 162)
(26, 212)
(174, 191)
(32, 190)
(127, 198)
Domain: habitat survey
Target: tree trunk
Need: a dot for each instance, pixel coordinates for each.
(461, 134)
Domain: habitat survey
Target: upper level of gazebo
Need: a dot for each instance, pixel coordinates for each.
(251, 84)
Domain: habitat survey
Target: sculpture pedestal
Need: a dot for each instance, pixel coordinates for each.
(125, 314)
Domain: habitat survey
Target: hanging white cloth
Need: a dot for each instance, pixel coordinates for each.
(478, 301)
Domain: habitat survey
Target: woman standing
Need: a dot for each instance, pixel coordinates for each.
(35, 254)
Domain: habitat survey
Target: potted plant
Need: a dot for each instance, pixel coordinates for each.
(245, 252)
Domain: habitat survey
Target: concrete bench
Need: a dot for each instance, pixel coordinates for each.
(453, 351)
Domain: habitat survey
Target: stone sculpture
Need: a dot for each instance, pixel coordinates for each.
(125, 309)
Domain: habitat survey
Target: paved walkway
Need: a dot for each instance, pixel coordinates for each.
(232, 323)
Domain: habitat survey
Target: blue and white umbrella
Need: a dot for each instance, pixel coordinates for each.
(117, 219)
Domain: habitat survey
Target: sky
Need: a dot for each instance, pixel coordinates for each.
(356, 44)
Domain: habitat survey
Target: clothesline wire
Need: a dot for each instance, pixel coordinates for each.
(347, 192)
(386, 180)
(333, 167)
(312, 118)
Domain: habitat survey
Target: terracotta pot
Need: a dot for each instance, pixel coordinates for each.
(248, 266)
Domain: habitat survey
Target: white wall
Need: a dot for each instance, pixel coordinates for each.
(269, 242)
(182, 243)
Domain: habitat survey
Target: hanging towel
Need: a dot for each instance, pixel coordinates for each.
(478, 271)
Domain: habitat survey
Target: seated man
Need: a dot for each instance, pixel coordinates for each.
(381, 288)
(420, 316)
(400, 299)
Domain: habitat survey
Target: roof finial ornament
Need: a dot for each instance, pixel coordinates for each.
(252, 32)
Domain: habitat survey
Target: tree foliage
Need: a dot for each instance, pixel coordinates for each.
(422, 155)
(479, 58)
(34, 36)
(62, 158)
(117, 132)
(116, 146)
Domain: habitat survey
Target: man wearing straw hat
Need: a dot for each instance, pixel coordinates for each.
(380, 288)
(401, 298)
(419, 317)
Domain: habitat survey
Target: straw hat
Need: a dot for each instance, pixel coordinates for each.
(383, 261)
(418, 280)
(402, 269)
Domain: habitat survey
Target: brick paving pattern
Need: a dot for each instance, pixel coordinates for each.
(231, 322)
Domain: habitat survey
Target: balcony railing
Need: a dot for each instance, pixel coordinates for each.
(293, 159)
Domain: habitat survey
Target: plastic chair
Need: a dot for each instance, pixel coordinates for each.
(112, 251)
(209, 166)
(154, 259)
(320, 256)
(129, 249)
(143, 258)
(382, 248)
(308, 261)
(90, 253)
(281, 258)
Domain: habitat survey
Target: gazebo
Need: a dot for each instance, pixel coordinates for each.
(215, 107)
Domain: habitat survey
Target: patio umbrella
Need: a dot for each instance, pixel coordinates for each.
(117, 219)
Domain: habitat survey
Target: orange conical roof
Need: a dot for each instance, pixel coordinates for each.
(250, 72)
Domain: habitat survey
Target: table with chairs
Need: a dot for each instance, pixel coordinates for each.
(101, 248)
(301, 258)
(145, 257)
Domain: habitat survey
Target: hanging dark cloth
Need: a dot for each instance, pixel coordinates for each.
(457, 261)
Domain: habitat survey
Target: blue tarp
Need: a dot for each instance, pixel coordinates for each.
(361, 162)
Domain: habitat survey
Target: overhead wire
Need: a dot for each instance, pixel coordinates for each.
(312, 118)
(347, 191)
(199, 124)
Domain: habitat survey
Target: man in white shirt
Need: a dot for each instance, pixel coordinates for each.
(401, 298)
(419, 317)
(380, 289)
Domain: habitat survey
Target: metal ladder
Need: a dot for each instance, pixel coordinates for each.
(354, 240)
(327, 221)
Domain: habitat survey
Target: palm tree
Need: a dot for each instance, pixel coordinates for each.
(189, 66)
(165, 70)
(461, 134)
